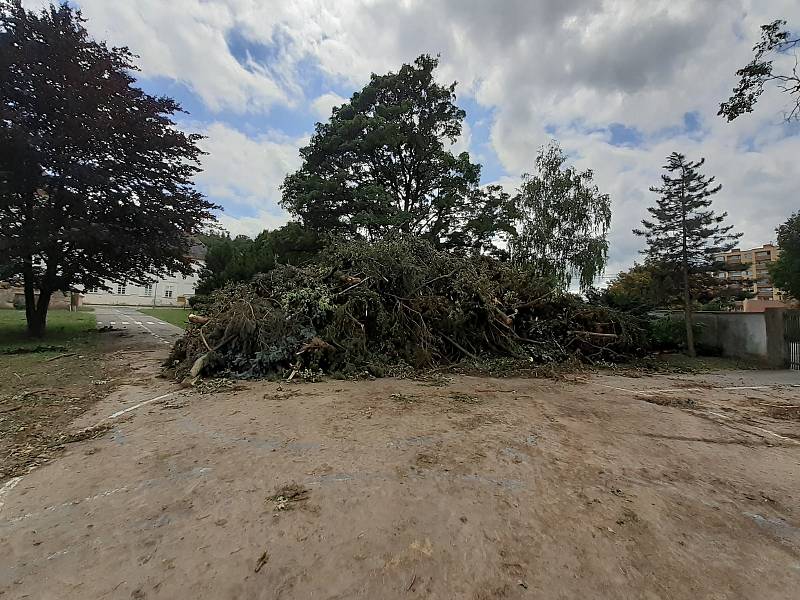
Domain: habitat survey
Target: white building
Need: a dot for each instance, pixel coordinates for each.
(174, 290)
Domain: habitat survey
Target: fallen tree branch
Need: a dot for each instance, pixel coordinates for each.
(459, 346)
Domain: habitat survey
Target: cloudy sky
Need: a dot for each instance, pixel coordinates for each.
(620, 83)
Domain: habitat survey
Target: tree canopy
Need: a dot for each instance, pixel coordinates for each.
(382, 163)
(651, 285)
(785, 271)
(564, 220)
(98, 180)
(684, 232)
(239, 259)
(775, 40)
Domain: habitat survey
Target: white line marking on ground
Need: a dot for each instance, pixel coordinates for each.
(787, 439)
(138, 322)
(619, 389)
(135, 406)
(7, 487)
(125, 323)
(154, 334)
(113, 322)
(692, 389)
(150, 323)
(69, 504)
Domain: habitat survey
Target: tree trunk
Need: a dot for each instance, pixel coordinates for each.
(35, 323)
(687, 297)
(37, 318)
(35, 310)
(687, 313)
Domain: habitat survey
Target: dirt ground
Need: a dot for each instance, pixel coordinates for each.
(597, 487)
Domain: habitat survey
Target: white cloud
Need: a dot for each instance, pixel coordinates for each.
(246, 171)
(324, 104)
(186, 41)
(245, 174)
(252, 226)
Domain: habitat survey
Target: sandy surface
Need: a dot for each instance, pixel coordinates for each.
(613, 487)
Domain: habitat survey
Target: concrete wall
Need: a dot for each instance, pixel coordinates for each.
(737, 334)
(14, 297)
(757, 336)
(758, 305)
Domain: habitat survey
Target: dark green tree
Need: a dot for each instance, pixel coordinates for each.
(775, 41)
(651, 285)
(785, 271)
(98, 180)
(564, 220)
(382, 164)
(238, 259)
(684, 232)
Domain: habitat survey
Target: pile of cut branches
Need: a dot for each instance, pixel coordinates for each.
(367, 306)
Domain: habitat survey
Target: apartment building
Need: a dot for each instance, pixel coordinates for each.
(754, 275)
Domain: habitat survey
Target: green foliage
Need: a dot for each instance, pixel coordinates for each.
(669, 333)
(785, 272)
(97, 179)
(659, 285)
(232, 260)
(775, 40)
(381, 164)
(564, 220)
(371, 305)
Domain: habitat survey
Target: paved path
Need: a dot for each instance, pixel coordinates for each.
(144, 328)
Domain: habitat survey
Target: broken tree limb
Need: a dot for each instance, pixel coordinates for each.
(459, 346)
(594, 334)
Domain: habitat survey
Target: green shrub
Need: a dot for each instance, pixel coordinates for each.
(669, 333)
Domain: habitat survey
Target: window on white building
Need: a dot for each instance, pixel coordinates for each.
(148, 290)
(168, 291)
(121, 290)
(93, 290)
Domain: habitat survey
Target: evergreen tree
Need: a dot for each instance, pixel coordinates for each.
(238, 259)
(563, 223)
(684, 232)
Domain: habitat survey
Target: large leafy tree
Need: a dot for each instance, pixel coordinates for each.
(564, 220)
(684, 232)
(776, 40)
(382, 163)
(786, 270)
(97, 178)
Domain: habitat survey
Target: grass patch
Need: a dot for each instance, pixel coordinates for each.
(64, 329)
(175, 316)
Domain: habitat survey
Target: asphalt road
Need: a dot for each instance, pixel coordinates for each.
(141, 329)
